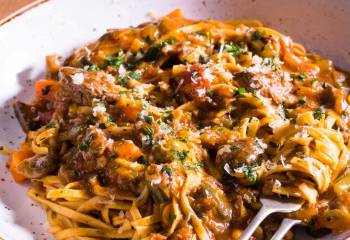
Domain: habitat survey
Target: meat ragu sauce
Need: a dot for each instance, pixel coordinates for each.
(197, 118)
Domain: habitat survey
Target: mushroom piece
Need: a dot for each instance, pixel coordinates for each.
(36, 167)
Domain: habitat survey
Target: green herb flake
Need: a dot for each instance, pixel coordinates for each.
(172, 217)
(314, 81)
(167, 170)
(148, 119)
(256, 35)
(240, 91)
(302, 100)
(319, 113)
(92, 67)
(148, 39)
(135, 75)
(49, 125)
(83, 147)
(127, 91)
(199, 165)
(154, 53)
(157, 89)
(102, 125)
(164, 126)
(149, 136)
(274, 145)
(142, 160)
(171, 40)
(181, 155)
(123, 80)
(170, 117)
(235, 49)
(46, 90)
(302, 76)
(115, 61)
(248, 171)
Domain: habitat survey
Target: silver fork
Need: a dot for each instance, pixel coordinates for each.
(270, 206)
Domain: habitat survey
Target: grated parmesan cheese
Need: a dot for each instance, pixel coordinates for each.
(98, 108)
(110, 77)
(122, 71)
(78, 78)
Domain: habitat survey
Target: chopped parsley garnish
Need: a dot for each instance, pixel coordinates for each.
(324, 84)
(148, 131)
(256, 35)
(181, 155)
(240, 91)
(153, 53)
(172, 217)
(148, 39)
(123, 80)
(148, 136)
(142, 160)
(167, 110)
(46, 90)
(170, 117)
(126, 79)
(302, 100)
(198, 165)
(164, 126)
(314, 81)
(83, 147)
(235, 49)
(126, 91)
(271, 62)
(110, 121)
(149, 119)
(135, 75)
(248, 171)
(183, 139)
(49, 125)
(274, 145)
(319, 113)
(157, 89)
(93, 67)
(115, 61)
(171, 40)
(102, 125)
(252, 90)
(144, 117)
(167, 170)
(302, 76)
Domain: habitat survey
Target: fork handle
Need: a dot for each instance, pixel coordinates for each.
(287, 224)
(259, 217)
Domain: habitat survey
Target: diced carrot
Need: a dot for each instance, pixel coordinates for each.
(45, 89)
(15, 159)
(128, 150)
(177, 13)
(173, 21)
(129, 108)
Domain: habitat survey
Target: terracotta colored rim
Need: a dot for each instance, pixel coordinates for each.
(20, 11)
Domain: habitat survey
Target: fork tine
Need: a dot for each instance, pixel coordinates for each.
(268, 206)
(260, 216)
(287, 224)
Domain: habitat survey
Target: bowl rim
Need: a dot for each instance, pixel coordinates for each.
(21, 11)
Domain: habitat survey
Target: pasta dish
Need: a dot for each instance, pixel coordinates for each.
(175, 128)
